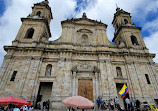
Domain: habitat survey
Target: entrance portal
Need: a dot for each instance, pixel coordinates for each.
(85, 88)
(122, 101)
(44, 92)
(156, 102)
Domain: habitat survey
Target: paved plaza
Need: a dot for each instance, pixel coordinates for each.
(75, 110)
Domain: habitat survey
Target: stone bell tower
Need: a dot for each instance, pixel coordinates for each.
(127, 34)
(35, 27)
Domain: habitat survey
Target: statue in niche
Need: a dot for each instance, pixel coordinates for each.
(48, 70)
(119, 72)
(84, 65)
(84, 39)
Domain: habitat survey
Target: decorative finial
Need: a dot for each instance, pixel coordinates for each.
(46, 1)
(117, 8)
(84, 15)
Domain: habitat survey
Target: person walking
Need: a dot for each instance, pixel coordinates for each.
(98, 102)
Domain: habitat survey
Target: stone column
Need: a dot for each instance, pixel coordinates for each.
(74, 83)
(96, 81)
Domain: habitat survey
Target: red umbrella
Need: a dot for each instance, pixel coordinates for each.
(4, 101)
(78, 102)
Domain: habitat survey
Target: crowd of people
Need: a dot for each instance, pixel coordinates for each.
(43, 105)
(40, 105)
(114, 104)
(12, 107)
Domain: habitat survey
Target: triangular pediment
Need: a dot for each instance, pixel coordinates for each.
(84, 21)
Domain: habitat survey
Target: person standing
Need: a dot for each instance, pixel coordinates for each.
(25, 108)
(128, 103)
(31, 108)
(48, 102)
(44, 104)
(109, 104)
(16, 109)
(112, 104)
(98, 102)
(106, 103)
(103, 105)
(117, 104)
(138, 105)
(132, 105)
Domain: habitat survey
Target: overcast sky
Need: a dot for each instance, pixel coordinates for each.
(144, 14)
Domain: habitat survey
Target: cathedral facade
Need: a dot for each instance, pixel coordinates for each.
(82, 61)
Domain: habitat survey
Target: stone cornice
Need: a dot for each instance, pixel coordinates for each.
(74, 51)
(75, 44)
(121, 80)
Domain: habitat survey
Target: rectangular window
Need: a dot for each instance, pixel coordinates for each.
(13, 76)
(147, 78)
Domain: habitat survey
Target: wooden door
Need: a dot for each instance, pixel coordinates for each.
(85, 88)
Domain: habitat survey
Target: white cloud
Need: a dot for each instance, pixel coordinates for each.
(61, 9)
(152, 26)
(151, 43)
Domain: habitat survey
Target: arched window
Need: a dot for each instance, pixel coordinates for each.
(119, 72)
(13, 76)
(29, 33)
(84, 39)
(126, 21)
(134, 40)
(38, 13)
(48, 70)
(147, 78)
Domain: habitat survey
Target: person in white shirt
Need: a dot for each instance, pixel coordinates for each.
(128, 103)
(16, 109)
(25, 108)
(31, 108)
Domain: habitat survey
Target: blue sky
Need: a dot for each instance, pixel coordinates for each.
(2, 7)
(144, 14)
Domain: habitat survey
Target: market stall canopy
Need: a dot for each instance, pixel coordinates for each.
(78, 102)
(4, 101)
